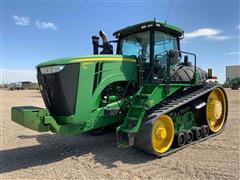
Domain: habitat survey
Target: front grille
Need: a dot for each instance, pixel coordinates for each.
(59, 90)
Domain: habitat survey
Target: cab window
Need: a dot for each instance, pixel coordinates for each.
(136, 44)
(163, 42)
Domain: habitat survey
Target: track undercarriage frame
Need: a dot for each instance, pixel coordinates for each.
(187, 109)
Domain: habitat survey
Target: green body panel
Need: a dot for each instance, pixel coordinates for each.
(88, 115)
(90, 58)
(146, 98)
(156, 93)
(183, 122)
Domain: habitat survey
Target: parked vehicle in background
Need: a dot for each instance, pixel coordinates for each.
(23, 85)
(30, 85)
(16, 85)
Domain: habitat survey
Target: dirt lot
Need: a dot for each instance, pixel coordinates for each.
(27, 154)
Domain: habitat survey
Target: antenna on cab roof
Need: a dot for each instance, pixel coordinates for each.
(169, 10)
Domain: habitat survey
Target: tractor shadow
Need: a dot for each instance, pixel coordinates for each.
(54, 148)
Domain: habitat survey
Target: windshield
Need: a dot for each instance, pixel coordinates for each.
(163, 42)
(139, 45)
(136, 44)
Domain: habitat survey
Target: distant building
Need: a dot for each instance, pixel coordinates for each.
(232, 72)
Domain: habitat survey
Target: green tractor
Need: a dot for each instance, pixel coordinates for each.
(150, 90)
(235, 83)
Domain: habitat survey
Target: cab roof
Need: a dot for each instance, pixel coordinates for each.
(157, 25)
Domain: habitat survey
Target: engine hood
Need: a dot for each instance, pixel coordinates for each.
(91, 58)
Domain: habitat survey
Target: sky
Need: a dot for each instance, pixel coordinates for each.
(36, 31)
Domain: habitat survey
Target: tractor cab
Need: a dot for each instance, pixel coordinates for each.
(156, 46)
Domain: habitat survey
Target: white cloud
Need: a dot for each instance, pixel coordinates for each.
(233, 53)
(209, 33)
(46, 25)
(21, 21)
(204, 32)
(11, 75)
(219, 38)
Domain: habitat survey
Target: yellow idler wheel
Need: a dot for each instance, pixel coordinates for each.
(155, 135)
(162, 134)
(216, 111)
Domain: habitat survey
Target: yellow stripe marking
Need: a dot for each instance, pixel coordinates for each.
(103, 59)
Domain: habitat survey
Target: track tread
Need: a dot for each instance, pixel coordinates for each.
(165, 107)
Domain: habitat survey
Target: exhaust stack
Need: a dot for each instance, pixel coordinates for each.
(104, 37)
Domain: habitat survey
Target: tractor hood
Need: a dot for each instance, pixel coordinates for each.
(91, 58)
(61, 80)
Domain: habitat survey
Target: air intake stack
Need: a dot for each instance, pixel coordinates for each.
(95, 43)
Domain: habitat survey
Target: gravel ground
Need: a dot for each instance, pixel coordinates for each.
(26, 154)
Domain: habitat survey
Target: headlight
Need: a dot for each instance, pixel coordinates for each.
(51, 69)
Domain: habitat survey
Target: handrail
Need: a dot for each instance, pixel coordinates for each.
(195, 62)
(167, 78)
(155, 62)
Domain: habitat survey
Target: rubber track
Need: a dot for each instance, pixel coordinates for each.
(143, 137)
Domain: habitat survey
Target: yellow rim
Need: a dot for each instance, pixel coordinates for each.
(162, 134)
(216, 110)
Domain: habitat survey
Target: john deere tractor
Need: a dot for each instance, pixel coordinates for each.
(152, 92)
(234, 83)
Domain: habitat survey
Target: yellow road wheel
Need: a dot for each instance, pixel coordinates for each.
(216, 111)
(162, 134)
